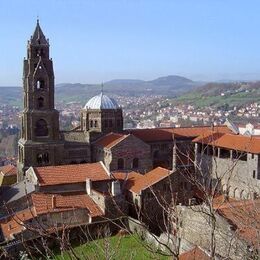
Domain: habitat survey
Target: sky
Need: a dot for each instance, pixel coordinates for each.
(93, 41)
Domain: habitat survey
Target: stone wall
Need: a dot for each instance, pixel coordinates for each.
(195, 227)
(239, 178)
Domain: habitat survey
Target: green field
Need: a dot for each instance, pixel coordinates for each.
(199, 100)
(128, 247)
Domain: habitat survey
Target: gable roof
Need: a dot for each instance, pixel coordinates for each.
(42, 204)
(167, 134)
(110, 140)
(73, 173)
(8, 170)
(129, 178)
(64, 202)
(242, 143)
(137, 182)
(195, 253)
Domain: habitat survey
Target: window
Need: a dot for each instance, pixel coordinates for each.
(239, 155)
(199, 148)
(120, 164)
(91, 123)
(135, 163)
(254, 174)
(40, 102)
(40, 84)
(253, 156)
(110, 123)
(105, 123)
(41, 128)
(211, 150)
(42, 158)
(224, 153)
(96, 123)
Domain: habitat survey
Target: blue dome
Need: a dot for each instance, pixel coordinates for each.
(101, 101)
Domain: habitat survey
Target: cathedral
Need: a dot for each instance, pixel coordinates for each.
(100, 137)
(42, 143)
(88, 178)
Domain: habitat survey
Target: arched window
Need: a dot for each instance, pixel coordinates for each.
(135, 163)
(41, 128)
(40, 102)
(91, 123)
(42, 158)
(40, 84)
(96, 123)
(120, 164)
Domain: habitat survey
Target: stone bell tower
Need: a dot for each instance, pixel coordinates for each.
(39, 144)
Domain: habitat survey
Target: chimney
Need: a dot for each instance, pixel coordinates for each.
(116, 189)
(88, 186)
(53, 202)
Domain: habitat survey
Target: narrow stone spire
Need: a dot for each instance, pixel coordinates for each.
(38, 36)
(102, 88)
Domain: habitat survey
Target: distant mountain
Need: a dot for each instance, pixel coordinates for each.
(171, 80)
(169, 86)
(124, 82)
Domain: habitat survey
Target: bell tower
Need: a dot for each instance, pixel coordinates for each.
(39, 144)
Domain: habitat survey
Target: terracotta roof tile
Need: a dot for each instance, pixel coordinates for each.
(138, 182)
(221, 200)
(110, 140)
(74, 173)
(195, 253)
(8, 170)
(230, 141)
(63, 202)
(167, 134)
(244, 215)
(14, 224)
(130, 178)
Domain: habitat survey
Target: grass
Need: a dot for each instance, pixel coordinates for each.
(128, 247)
(199, 100)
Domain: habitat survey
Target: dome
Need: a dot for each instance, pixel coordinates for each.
(101, 101)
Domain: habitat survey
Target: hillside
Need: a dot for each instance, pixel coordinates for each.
(68, 92)
(222, 94)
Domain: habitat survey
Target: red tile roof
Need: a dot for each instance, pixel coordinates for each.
(242, 143)
(110, 140)
(8, 170)
(245, 216)
(63, 202)
(194, 254)
(137, 182)
(14, 224)
(74, 173)
(221, 200)
(167, 134)
(130, 178)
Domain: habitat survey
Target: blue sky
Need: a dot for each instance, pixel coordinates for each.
(95, 41)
